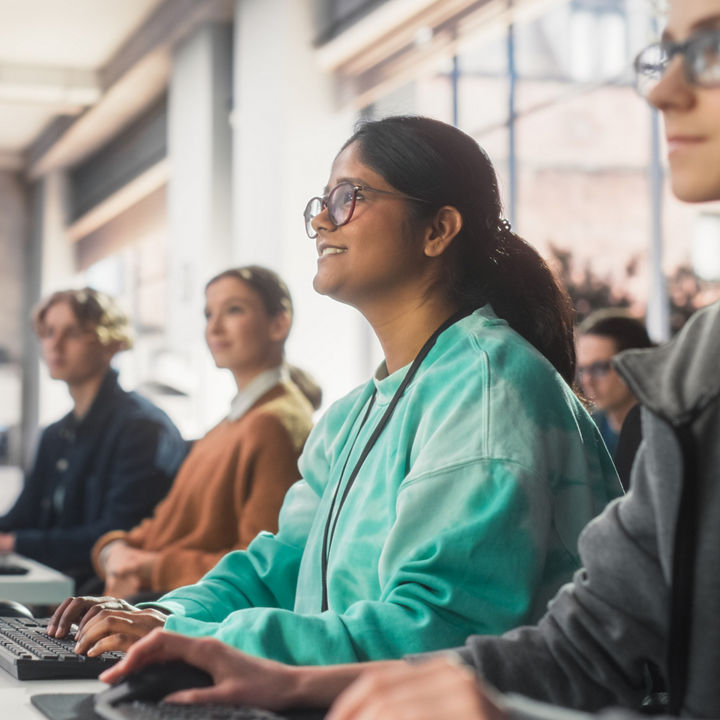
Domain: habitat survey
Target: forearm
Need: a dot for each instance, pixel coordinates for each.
(319, 686)
(61, 547)
(23, 513)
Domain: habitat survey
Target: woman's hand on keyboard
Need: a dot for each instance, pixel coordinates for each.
(80, 610)
(110, 629)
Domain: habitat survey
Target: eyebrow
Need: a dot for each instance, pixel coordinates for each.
(703, 24)
(351, 180)
(232, 299)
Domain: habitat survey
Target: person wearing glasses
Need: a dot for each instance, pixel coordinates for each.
(109, 461)
(600, 337)
(233, 481)
(646, 602)
(444, 496)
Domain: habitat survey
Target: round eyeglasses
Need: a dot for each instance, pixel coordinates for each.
(701, 61)
(340, 203)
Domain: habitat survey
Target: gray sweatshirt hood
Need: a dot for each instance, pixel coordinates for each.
(669, 381)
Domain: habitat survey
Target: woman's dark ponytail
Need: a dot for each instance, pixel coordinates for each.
(486, 262)
(526, 293)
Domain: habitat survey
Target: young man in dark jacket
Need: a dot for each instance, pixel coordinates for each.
(109, 461)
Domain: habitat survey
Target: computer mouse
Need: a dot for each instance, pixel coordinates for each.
(11, 608)
(153, 682)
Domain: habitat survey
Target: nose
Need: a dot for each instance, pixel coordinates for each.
(51, 341)
(322, 221)
(673, 90)
(213, 324)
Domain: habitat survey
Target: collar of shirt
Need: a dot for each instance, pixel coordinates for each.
(103, 404)
(255, 389)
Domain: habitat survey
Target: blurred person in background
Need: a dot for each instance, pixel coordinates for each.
(232, 484)
(646, 601)
(109, 461)
(600, 337)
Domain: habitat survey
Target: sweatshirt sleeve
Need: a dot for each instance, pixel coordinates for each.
(136, 483)
(23, 513)
(498, 526)
(260, 484)
(590, 649)
(519, 707)
(263, 575)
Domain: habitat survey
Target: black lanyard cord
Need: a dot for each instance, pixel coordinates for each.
(329, 532)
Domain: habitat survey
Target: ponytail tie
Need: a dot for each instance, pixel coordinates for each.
(501, 225)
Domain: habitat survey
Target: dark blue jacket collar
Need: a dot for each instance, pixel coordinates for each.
(102, 405)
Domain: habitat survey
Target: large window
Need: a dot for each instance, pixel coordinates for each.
(551, 100)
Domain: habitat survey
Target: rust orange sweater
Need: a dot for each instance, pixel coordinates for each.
(230, 486)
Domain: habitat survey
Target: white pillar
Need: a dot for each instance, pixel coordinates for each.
(288, 126)
(57, 272)
(199, 189)
(658, 304)
(199, 208)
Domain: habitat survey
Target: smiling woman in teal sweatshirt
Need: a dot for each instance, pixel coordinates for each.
(462, 515)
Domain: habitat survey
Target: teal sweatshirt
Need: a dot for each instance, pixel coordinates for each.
(463, 519)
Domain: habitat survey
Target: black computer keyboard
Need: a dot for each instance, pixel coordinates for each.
(28, 653)
(141, 710)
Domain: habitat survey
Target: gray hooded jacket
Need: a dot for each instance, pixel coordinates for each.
(590, 650)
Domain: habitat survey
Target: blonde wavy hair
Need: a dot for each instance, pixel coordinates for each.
(95, 311)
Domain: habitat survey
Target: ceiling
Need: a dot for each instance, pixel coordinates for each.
(52, 57)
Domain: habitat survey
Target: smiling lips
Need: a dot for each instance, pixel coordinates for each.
(326, 250)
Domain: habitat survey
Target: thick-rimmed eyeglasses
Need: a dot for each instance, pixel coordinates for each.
(595, 370)
(340, 203)
(701, 61)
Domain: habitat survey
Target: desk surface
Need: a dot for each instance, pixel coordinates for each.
(41, 585)
(15, 694)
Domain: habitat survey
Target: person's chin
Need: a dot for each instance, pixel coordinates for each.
(322, 284)
(693, 186)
